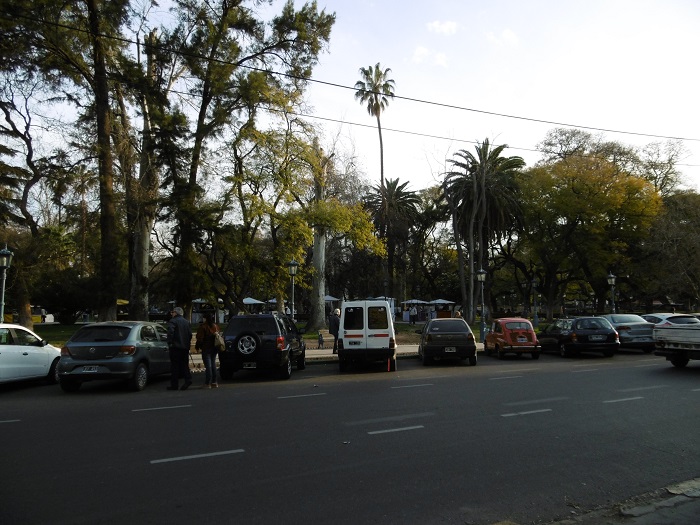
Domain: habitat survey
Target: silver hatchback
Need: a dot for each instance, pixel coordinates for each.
(128, 350)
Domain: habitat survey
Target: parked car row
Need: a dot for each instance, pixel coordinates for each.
(135, 351)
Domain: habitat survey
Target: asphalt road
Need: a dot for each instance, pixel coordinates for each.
(518, 440)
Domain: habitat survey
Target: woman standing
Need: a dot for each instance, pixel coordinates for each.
(205, 343)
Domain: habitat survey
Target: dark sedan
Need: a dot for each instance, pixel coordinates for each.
(446, 338)
(128, 350)
(570, 337)
(634, 331)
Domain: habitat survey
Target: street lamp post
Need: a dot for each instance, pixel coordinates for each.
(611, 282)
(5, 263)
(293, 266)
(481, 277)
(535, 318)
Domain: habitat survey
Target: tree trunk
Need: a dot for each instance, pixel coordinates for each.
(109, 247)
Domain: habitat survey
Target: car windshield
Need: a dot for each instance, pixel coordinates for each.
(592, 324)
(518, 325)
(98, 334)
(627, 318)
(449, 326)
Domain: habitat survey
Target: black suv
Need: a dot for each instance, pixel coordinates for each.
(262, 341)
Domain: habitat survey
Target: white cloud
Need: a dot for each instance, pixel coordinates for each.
(420, 54)
(441, 59)
(443, 28)
(505, 38)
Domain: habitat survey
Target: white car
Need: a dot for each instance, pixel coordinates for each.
(666, 319)
(25, 355)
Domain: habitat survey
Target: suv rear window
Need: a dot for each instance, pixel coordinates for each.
(449, 326)
(259, 325)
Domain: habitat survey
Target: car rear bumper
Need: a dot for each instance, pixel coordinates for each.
(366, 354)
(521, 349)
(89, 371)
(273, 359)
(597, 347)
(461, 352)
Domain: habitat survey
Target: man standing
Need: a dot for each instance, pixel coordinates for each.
(334, 328)
(179, 340)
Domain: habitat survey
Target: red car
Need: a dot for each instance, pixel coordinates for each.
(512, 335)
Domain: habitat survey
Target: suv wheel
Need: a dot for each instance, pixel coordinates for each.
(247, 344)
(226, 372)
(286, 370)
(301, 360)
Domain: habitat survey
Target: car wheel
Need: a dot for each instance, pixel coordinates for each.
(140, 378)
(52, 376)
(247, 344)
(342, 364)
(563, 351)
(535, 355)
(647, 350)
(472, 360)
(608, 353)
(301, 360)
(499, 353)
(286, 370)
(69, 385)
(426, 360)
(392, 364)
(679, 362)
(226, 372)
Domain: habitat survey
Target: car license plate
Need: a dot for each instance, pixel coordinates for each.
(450, 349)
(597, 337)
(89, 369)
(355, 343)
(250, 365)
(522, 339)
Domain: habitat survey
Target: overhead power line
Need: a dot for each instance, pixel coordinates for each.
(399, 97)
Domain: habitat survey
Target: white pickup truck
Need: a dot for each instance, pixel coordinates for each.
(678, 343)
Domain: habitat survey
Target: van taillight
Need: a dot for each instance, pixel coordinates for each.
(392, 343)
(127, 350)
(470, 337)
(280, 343)
(65, 351)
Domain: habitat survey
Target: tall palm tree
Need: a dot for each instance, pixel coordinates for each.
(484, 196)
(375, 89)
(394, 211)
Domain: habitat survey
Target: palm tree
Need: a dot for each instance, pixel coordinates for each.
(375, 89)
(394, 211)
(483, 196)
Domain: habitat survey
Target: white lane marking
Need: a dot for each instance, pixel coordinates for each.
(197, 456)
(623, 399)
(413, 386)
(587, 370)
(499, 378)
(647, 366)
(536, 401)
(302, 395)
(391, 418)
(160, 408)
(511, 370)
(395, 430)
(588, 364)
(653, 387)
(11, 421)
(527, 413)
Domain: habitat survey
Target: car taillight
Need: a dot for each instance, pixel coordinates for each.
(665, 323)
(127, 350)
(470, 337)
(280, 343)
(65, 351)
(427, 338)
(392, 343)
(574, 337)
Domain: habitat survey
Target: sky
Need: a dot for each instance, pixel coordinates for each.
(616, 65)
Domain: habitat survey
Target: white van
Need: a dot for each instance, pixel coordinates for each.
(366, 333)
